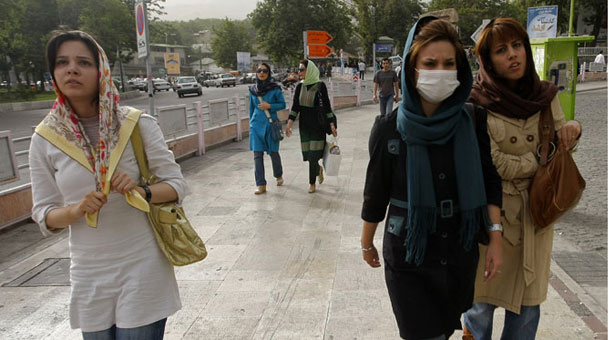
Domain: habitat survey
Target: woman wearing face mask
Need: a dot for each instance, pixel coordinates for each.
(311, 100)
(430, 164)
(265, 95)
(509, 89)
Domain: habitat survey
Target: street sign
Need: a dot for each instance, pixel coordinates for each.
(141, 40)
(318, 37)
(479, 30)
(319, 51)
(384, 47)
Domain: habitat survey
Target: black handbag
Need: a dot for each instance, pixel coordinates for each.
(276, 126)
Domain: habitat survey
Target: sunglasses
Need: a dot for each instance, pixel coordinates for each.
(301, 69)
(262, 70)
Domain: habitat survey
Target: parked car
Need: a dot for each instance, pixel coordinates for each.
(187, 85)
(226, 79)
(248, 78)
(160, 85)
(395, 61)
(211, 81)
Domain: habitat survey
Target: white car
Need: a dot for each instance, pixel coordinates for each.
(160, 85)
(395, 61)
(187, 85)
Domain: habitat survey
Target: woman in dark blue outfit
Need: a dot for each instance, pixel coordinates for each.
(430, 164)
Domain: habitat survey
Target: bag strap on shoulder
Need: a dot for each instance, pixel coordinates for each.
(546, 131)
(260, 99)
(139, 150)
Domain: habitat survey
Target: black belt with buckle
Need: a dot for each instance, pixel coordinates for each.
(447, 208)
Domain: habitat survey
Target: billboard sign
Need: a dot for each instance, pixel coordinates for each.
(542, 22)
(243, 61)
(171, 63)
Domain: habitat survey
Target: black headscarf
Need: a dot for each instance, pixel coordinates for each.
(264, 86)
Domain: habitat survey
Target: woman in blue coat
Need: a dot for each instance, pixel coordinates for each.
(265, 95)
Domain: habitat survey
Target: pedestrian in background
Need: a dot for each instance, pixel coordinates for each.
(122, 285)
(508, 87)
(362, 70)
(599, 58)
(265, 95)
(310, 101)
(387, 82)
(430, 164)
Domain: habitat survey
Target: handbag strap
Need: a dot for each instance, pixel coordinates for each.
(137, 144)
(266, 111)
(546, 130)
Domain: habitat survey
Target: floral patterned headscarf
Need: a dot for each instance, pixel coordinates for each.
(62, 120)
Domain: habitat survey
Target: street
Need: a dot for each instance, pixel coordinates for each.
(286, 264)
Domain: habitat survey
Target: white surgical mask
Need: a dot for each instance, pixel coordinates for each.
(436, 85)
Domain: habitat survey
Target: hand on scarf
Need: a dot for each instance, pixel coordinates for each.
(91, 203)
(569, 133)
(121, 183)
(264, 106)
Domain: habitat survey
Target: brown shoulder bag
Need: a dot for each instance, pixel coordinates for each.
(558, 184)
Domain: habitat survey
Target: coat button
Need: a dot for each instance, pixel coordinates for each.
(530, 138)
(443, 262)
(444, 234)
(513, 139)
(441, 176)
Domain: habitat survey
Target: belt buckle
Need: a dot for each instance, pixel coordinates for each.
(446, 208)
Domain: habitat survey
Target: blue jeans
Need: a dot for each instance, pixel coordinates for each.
(259, 166)
(479, 320)
(386, 104)
(153, 331)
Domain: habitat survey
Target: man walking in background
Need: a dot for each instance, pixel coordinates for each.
(362, 70)
(387, 81)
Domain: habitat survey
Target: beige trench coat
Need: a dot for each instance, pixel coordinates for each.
(526, 249)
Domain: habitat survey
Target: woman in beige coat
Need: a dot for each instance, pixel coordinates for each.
(509, 89)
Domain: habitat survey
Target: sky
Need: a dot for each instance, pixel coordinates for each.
(192, 9)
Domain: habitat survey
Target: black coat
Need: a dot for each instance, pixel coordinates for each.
(428, 299)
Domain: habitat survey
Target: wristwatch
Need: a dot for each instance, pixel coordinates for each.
(148, 193)
(495, 227)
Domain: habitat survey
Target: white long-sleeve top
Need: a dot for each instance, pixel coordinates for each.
(118, 274)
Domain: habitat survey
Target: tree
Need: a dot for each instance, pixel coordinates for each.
(472, 13)
(231, 37)
(393, 18)
(12, 41)
(280, 24)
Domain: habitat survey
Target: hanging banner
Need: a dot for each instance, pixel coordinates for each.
(171, 63)
(542, 22)
(243, 61)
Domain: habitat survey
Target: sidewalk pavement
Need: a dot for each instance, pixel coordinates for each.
(283, 265)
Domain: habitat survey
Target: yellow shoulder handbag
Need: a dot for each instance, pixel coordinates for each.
(174, 234)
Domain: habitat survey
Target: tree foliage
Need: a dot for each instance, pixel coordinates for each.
(231, 37)
(279, 25)
(392, 18)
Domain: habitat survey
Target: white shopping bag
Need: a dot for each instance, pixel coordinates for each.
(332, 158)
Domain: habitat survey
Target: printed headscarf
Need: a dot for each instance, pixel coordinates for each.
(64, 121)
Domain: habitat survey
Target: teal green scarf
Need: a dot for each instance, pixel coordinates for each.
(449, 122)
